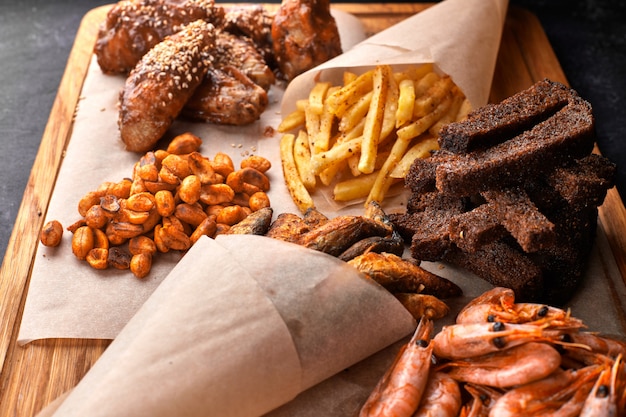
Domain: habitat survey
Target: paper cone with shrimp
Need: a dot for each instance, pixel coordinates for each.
(460, 37)
(241, 326)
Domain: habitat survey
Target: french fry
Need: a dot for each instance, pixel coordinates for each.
(384, 179)
(422, 149)
(435, 94)
(335, 155)
(302, 158)
(451, 114)
(346, 96)
(292, 121)
(321, 142)
(364, 135)
(354, 188)
(297, 190)
(406, 102)
(374, 119)
(317, 97)
(355, 113)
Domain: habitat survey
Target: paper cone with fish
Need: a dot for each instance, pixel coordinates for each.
(240, 326)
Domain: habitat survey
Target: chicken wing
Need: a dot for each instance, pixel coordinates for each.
(133, 27)
(226, 96)
(162, 82)
(254, 22)
(304, 35)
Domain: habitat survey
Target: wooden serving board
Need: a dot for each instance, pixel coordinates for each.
(34, 375)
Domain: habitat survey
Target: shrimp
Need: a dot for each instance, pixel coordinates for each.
(545, 395)
(479, 308)
(515, 366)
(483, 399)
(400, 390)
(460, 341)
(442, 397)
(498, 304)
(603, 400)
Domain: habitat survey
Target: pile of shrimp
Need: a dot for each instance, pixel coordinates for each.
(502, 358)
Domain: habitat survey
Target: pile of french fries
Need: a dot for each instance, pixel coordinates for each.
(362, 137)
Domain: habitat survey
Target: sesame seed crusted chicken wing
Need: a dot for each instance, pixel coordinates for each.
(254, 22)
(162, 82)
(240, 52)
(133, 27)
(234, 90)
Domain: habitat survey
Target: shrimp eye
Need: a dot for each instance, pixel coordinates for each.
(499, 342)
(543, 311)
(567, 338)
(491, 318)
(421, 343)
(603, 391)
(498, 326)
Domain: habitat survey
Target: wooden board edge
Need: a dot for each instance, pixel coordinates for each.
(22, 247)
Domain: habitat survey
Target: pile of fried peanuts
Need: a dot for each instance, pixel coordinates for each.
(173, 197)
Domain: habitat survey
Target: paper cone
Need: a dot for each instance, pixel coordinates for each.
(238, 329)
(461, 37)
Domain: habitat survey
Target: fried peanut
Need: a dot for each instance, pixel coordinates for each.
(158, 241)
(82, 242)
(125, 230)
(241, 199)
(97, 258)
(141, 244)
(110, 204)
(231, 215)
(143, 201)
(96, 217)
(165, 202)
(216, 194)
(100, 239)
(172, 198)
(257, 162)
(90, 199)
(174, 238)
(202, 168)
(120, 189)
(156, 186)
(192, 214)
(118, 258)
(51, 234)
(237, 180)
(258, 201)
(184, 143)
(173, 169)
(189, 190)
(222, 164)
(146, 168)
(140, 264)
(207, 227)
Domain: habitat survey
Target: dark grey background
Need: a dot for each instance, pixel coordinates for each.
(588, 37)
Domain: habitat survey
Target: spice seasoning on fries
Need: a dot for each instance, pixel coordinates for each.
(363, 136)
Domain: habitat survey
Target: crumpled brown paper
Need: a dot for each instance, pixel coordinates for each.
(237, 329)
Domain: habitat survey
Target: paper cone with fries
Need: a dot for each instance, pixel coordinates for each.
(368, 113)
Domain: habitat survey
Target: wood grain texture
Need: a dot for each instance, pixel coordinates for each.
(34, 375)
